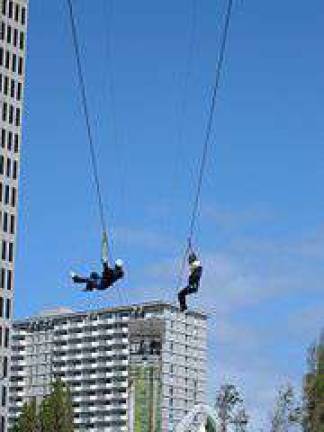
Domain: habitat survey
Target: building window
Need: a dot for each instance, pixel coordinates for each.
(13, 197)
(12, 88)
(6, 85)
(2, 279)
(12, 224)
(4, 250)
(3, 138)
(5, 222)
(10, 252)
(22, 41)
(9, 34)
(9, 280)
(20, 65)
(7, 59)
(4, 111)
(7, 335)
(15, 41)
(14, 62)
(4, 396)
(19, 91)
(11, 114)
(16, 143)
(17, 10)
(9, 144)
(8, 167)
(5, 367)
(23, 15)
(7, 192)
(10, 9)
(2, 32)
(1, 307)
(18, 117)
(4, 7)
(8, 308)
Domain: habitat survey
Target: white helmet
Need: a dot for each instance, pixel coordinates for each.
(119, 263)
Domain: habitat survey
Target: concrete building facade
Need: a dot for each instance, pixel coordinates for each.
(13, 25)
(100, 354)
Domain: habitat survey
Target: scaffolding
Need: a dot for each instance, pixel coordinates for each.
(145, 374)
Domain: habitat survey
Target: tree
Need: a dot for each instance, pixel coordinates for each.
(27, 421)
(230, 409)
(209, 427)
(241, 420)
(56, 412)
(314, 389)
(287, 413)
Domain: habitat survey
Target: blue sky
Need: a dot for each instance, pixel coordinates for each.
(261, 227)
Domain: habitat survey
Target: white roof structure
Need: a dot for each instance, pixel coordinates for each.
(188, 421)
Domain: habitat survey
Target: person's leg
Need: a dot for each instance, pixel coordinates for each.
(193, 288)
(91, 285)
(107, 278)
(79, 279)
(103, 285)
(182, 299)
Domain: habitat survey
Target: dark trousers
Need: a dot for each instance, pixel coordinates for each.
(91, 282)
(80, 280)
(189, 289)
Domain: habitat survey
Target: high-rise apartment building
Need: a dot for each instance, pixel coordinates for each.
(125, 366)
(13, 24)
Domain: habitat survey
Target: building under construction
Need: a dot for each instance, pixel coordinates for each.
(133, 368)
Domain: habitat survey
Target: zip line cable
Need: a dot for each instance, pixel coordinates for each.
(85, 107)
(219, 68)
(109, 95)
(206, 143)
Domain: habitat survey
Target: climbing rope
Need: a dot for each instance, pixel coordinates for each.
(206, 142)
(85, 105)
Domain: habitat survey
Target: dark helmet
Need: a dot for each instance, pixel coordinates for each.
(192, 258)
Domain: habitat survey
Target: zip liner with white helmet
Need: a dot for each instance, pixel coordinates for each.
(195, 267)
(109, 275)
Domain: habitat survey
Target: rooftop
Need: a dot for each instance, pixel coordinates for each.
(63, 312)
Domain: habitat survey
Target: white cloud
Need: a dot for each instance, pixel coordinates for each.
(227, 218)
